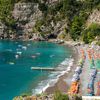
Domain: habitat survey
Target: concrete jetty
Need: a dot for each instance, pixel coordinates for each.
(44, 69)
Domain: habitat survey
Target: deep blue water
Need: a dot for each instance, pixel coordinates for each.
(16, 76)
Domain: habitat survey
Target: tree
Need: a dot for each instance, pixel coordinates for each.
(76, 27)
(89, 34)
(69, 8)
(6, 6)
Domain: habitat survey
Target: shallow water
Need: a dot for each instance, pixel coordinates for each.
(16, 76)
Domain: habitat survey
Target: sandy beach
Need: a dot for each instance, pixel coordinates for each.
(64, 81)
(81, 60)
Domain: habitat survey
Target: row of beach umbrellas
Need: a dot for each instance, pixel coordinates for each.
(76, 77)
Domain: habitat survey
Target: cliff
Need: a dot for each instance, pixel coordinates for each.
(94, 17)
(44, 19)
(26, 15)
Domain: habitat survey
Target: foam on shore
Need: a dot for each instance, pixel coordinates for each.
(65, 66)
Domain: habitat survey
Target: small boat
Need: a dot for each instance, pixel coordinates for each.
(37, 53)
(11, 63)
(19, 52)
(52, 56)
(24, 47)
(33, 56)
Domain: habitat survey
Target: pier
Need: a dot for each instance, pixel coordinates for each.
(44, 69)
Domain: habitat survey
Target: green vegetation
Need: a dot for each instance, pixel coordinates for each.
(76, 97)
(34, 1)
(91, 33)
(59, 96)
(76, 14)
(98, 43)
(38, 24)
(76, 27)
(6, 6)
(73, 12)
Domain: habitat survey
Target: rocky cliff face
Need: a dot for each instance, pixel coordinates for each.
(2, 30)
(94, 17)
(26, 15)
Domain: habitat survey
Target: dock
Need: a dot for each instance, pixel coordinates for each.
(44, 69)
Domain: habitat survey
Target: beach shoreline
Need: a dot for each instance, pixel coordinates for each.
(64, 80)
(62, 85)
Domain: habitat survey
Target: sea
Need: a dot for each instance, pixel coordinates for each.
(17, 58)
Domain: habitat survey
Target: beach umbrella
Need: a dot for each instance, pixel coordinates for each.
(90, 86)
(75, 75)
(92, 66)
(89, 94)
(78, 70)
(94, 71)
(97, 63)
(91, 63)
(98, 89)
(75, 78)
(91, 80)
(92, 75)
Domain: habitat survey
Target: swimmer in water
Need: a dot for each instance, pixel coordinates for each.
(16, 56)
(37, 53)
(28, 44)
(52, 56)
(19, 45)
(33, 56)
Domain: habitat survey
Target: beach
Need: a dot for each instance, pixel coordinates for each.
(64, 81)
(80, 59)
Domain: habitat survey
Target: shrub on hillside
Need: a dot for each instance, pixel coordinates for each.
(59, 96)
(76, 27)
(91, 32)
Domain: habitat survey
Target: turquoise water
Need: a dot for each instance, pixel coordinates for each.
(16, 76)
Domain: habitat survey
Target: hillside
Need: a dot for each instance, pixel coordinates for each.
(45, 19)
